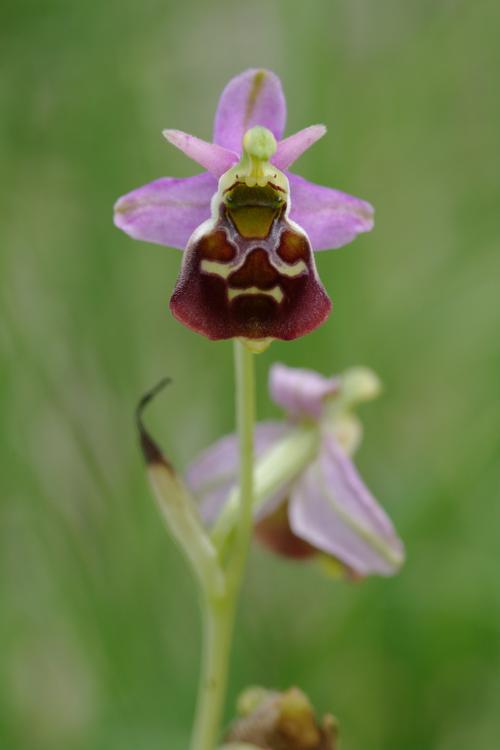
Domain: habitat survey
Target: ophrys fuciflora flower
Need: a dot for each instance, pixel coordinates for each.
(248, 227)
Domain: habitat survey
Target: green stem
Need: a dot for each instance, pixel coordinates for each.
(218, 620)
(219, 611)
(245, 418)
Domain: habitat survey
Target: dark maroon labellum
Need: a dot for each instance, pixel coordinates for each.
(274, 532)
(250, 273)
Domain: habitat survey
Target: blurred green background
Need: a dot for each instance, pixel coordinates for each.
(99, 626)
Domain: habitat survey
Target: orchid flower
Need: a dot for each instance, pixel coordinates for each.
(246, 225)
(309, 498)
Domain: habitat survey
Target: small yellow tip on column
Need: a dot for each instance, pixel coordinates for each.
(256, 346)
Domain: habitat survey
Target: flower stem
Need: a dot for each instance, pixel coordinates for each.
(245, 418)
(219, 610)
(218, 619)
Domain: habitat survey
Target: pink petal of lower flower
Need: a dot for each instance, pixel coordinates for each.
(213, 474)
(329, 217)
(300, 392)
(253, 98)
(214, 158)
(166, 211)
(332, 509)
(294, 146)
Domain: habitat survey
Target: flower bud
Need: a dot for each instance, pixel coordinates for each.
(178, 507)
(281, 721)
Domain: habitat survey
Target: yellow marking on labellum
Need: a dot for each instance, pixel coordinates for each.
(257, 345)
(275, 292)
(293, 269)
(224, 270)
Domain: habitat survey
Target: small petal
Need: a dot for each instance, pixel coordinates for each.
(332, 509)
(294, 146)
(166, 211)
(213, 474)
(300, 392)
(329, 217)
(253, 98)
(215, 159)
